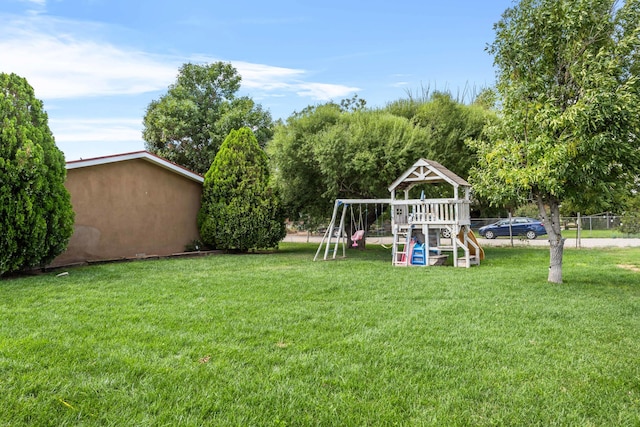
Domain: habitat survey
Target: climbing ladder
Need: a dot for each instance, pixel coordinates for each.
(401, 246)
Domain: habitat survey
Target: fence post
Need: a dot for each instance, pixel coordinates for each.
(579, 232)
(510, 229)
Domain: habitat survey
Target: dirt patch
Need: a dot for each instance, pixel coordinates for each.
(629, 267)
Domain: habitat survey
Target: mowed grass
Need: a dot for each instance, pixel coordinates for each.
(279, 340)
(613, 233)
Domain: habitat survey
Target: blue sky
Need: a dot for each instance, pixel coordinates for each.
(97, 64)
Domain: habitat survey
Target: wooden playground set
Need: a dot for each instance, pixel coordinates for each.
(425, 231)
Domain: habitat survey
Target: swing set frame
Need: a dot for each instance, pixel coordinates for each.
(334, 235)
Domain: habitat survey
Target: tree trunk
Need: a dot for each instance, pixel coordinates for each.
(554, 231)
(555, 263)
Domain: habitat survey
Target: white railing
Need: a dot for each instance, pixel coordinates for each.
(432, 211)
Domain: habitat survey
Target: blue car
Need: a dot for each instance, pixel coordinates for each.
(520, 226)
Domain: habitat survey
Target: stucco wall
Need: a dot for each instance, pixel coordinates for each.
(130, 208)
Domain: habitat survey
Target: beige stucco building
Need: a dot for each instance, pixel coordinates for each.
(130, 205)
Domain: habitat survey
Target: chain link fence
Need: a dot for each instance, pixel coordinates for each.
(604, 225)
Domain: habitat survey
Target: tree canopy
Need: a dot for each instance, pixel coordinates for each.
(240, 209)
(343, 150)
(36, 217)
(569, 90)
(325, 152)
(449, 125)
(188, 124)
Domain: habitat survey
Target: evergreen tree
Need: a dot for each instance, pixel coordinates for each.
(240, 208)
(36, 217)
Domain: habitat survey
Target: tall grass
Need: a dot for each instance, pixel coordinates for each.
(280, 340)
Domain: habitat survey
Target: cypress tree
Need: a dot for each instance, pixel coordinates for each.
(240, 208)
(36, 217)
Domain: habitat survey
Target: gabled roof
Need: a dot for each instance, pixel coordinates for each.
(144, 155)
(427, 171)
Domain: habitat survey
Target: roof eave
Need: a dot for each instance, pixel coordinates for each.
(143, 155)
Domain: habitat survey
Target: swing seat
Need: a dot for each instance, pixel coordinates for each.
(358, 235)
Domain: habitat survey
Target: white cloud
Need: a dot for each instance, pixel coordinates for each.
(63, 65)
(70, 60)
(271, 81)
(61, 62)
(96, 130)
(266, 77)
(34, 8)
(323, 91)
(87, 138)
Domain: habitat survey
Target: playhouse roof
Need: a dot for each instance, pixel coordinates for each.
(427, 171)
(144, 155)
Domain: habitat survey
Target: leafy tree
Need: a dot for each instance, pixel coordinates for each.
(334, 151)
(240, 208)
(188, 123)
(449, 125)
(631, 218)
(487, 99)
(569, 90)
(631, 209)
(295, 167)
(325, 152)
(36, 217)
(405, 107)
(353, 104)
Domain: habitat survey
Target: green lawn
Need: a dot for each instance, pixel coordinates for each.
(275, 340)
(607, 234)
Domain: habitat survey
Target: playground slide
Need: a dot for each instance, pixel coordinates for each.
(472, 237)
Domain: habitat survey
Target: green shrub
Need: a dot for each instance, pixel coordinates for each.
(240, 210)
(529, 210)
(630, 224)
(36, 217)
(630, 221)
